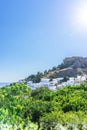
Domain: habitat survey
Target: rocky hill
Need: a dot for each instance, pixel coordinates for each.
(75, 62)
(71, 66)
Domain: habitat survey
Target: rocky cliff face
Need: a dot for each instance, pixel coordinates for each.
(75, 62)
(71, 66)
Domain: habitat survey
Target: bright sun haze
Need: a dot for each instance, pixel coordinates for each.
(79, 18)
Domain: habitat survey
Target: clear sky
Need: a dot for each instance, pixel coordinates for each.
(38, 34)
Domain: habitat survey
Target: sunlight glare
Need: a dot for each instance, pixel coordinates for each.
(80, 16)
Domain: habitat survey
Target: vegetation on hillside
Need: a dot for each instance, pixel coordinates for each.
(42, 109)
(34, 78)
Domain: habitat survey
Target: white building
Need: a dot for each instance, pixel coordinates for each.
(54, 84)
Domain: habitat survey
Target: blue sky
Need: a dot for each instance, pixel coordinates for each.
(36, 35)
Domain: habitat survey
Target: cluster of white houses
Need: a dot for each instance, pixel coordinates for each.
(56, 83)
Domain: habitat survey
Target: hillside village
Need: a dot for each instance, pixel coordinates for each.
(72, 71)
(57, 83)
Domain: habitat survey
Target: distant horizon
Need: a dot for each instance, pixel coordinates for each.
(2, 84)
(37, 35)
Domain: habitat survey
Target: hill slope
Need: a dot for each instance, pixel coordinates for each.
(71, 66)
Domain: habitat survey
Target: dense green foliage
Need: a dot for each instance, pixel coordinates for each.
(42, 109)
